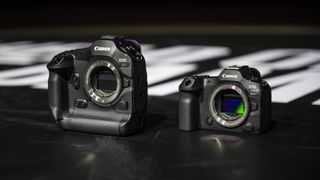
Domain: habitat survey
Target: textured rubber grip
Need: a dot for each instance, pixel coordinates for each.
(188, 111)
(91, 125)
(104, 126)
(57, 95)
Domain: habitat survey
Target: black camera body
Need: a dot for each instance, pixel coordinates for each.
(237, 100)
(100, 89)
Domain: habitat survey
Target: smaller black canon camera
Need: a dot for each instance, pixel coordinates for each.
(101, 88)
(237, 100)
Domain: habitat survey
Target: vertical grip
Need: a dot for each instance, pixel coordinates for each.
(57, 95)
(188, 111)
(266, 107)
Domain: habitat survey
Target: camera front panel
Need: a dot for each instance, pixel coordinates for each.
(84, 105)
(105, 91)
(230, 106)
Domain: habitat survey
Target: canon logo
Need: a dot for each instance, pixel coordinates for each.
(101, 48)
(231, 76)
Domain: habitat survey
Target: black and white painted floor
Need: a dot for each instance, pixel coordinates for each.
(34, 148)
(292, 72)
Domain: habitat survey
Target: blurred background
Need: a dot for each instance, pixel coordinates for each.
(160, 16)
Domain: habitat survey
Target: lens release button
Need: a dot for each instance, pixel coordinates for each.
(248, 127)
(81, 103)
(209, 121)
(122, 106)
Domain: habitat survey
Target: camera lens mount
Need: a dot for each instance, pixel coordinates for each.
(236, 98)
(98, 95)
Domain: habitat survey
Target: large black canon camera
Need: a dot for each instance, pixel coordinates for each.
(100, 89)
(237, 100)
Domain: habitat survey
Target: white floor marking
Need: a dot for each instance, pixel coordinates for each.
(24, 71)
(297, 61)
(25, 53)
(295, 85)
(173, 61)
(163, 72)
(194, 55)
(260, 57)
(153, 56)
(317, 102)
(165, 89)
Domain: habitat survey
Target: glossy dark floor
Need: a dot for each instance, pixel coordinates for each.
(33, 147)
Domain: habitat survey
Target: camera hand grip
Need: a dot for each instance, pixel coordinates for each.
(58, 95)
(188, 111)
